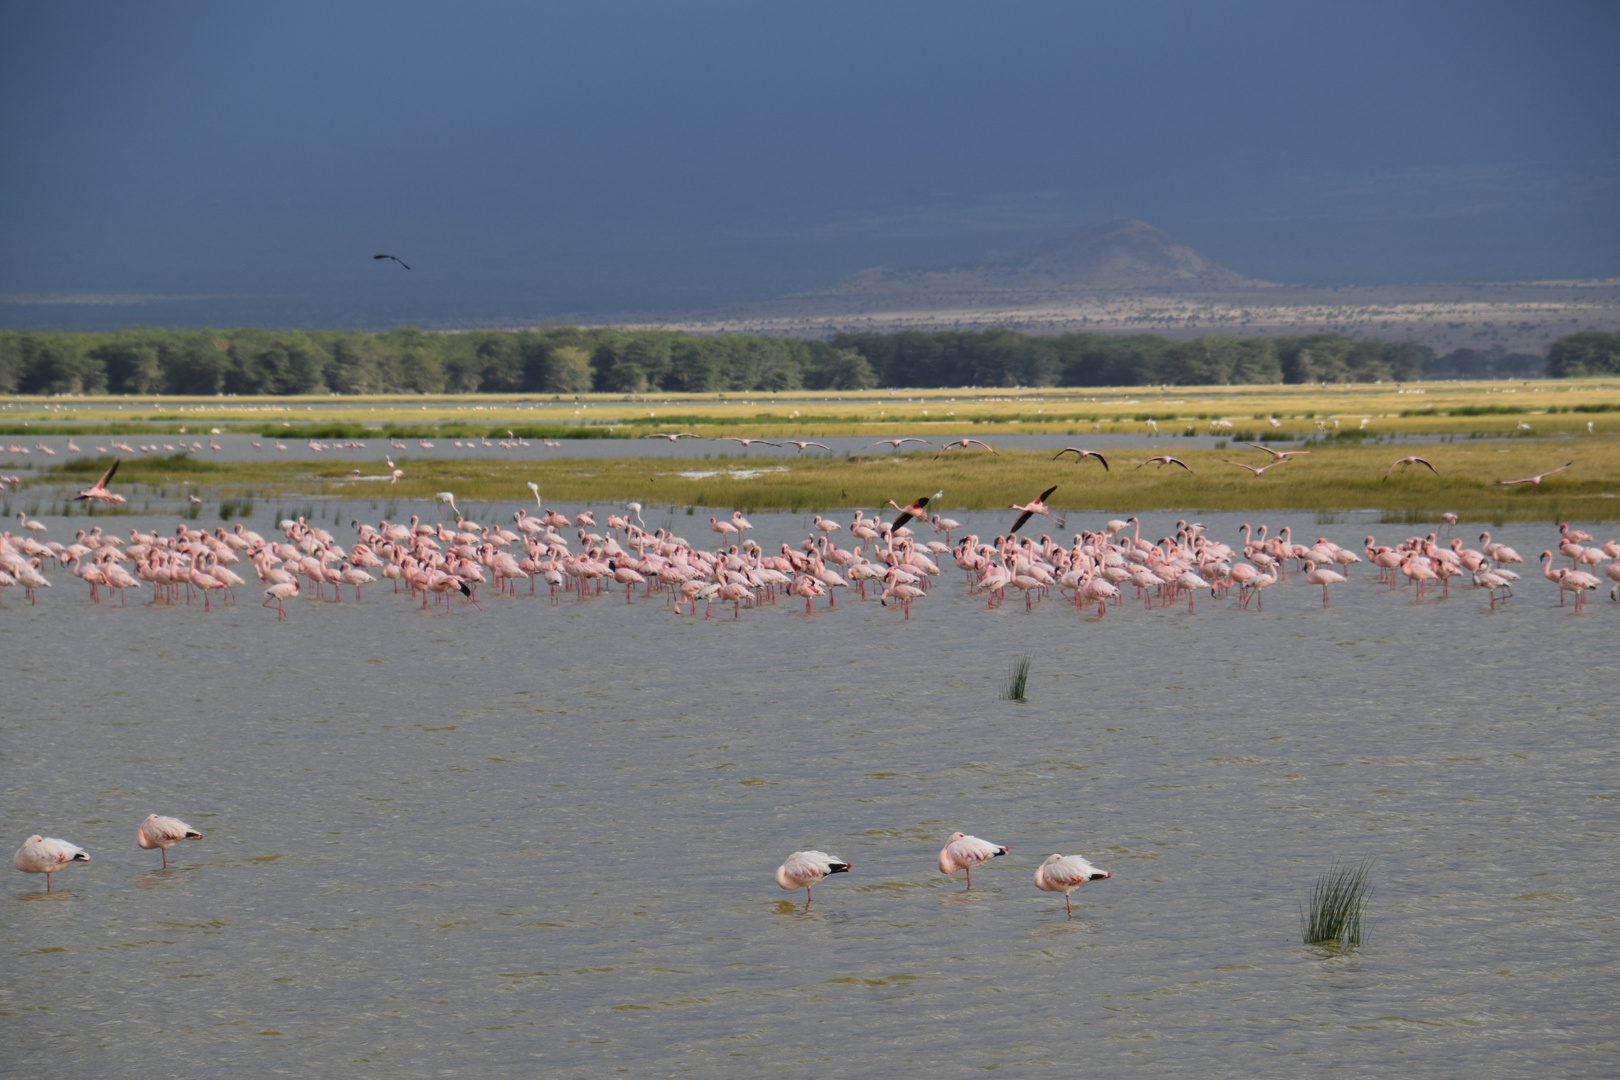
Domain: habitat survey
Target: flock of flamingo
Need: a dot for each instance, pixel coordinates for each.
(1059, 873)
(436, 560)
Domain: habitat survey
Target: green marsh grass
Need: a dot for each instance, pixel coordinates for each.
(1334, 478)
(1017, 679)
(1337, 906)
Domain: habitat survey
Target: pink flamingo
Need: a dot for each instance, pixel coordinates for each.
(964, 852)
(279, 592)
(804, 868)
(1322, 577)
(163, 833)
(1064, 874)
(47, 855)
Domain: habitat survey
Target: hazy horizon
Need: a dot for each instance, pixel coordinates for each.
(240, 166)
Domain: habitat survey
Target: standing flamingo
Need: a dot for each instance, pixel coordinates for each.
(163, 833)
(964, 852)
(1322, 577)
(1064, 874)
(804, 868)
(46, 855)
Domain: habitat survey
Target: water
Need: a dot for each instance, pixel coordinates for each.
(539, 840)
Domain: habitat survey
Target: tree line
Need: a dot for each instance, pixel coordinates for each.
(575, 360)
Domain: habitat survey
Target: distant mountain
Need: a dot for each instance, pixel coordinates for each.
(1119, 255)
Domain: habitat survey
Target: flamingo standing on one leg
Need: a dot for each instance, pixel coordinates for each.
(46, 855)
(1064, 874)
(964, 852)
(163, 833)
(804, 868)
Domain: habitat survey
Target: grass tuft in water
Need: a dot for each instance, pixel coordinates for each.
(1337, 904)
(1017, 679)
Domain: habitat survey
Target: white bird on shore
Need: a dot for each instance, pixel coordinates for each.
(1064, 874)
(163, 833)
(964, 852)
(46, 855)
(804, 868)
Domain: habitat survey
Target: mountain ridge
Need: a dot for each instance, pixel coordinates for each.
(1122, 254)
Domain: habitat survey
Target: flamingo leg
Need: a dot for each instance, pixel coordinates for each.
(1067, 906)
(970, 877)
(165, 855)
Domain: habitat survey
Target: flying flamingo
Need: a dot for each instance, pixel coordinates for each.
(962, 444)
(915, 510)
(746, 443)
(1277, 455)
(895, 442)
(1064, 874)
(1412, 459)
(47, 855)
(1165, 459)
(672, 435)
(163, 833)
(1081, 455)
(803, 443)
(1256, 469)
(1539, 477)
(803, 869)
(1037, 505)
(99, 490)
(964, 852)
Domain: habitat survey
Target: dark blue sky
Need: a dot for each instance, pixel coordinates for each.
(535, 160)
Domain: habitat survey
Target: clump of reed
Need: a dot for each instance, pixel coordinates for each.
(1017, 679)
(1337, 905)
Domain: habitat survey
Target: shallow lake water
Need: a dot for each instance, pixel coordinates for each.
(539, 839)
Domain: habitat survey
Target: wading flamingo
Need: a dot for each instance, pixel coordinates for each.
(804, 868)
(1064, 874)
(964, 852)
(163, 833)
(46, 855)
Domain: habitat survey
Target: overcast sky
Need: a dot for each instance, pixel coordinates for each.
(241, 163)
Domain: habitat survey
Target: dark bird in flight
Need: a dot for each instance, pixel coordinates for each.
(1536, 479)
(396, 258)
(1081, 455)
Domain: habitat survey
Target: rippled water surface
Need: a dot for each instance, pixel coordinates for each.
(538, 840)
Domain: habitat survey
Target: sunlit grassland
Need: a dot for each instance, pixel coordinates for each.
(1332, 478)
(1448, 408)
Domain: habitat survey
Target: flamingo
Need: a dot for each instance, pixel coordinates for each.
(1539, 477)
(895, 442)
(163, 833)
(1256, 469)
(803, 443)
(98, 490)
(1081, 455)
(1412, 459)
(1165, 459)
(1277, 455)
(1037, 505)
(1323, 577)
(964, 852)
(47, 855)
(279, 592)
(670, 435)
(915, 510)
(804, 868)
(962, 444)
(1064, 874)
